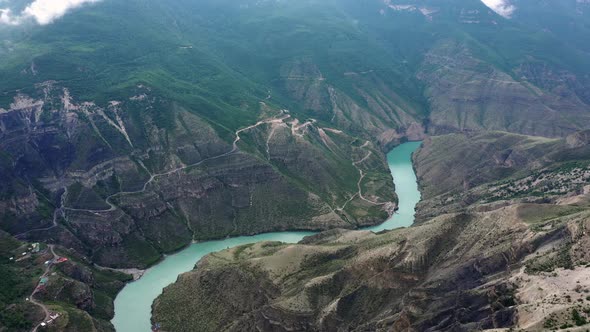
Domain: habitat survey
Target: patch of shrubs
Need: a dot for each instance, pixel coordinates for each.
(578, 319)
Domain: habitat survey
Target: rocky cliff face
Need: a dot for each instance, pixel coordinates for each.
(474, 267)
(125, 183)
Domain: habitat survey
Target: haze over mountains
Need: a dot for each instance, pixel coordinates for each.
(129, 129)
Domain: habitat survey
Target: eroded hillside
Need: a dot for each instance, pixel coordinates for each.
(484, 265)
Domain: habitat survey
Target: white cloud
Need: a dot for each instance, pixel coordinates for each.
(41, 11)
(502, 7)
(6, 17)
(46, 11)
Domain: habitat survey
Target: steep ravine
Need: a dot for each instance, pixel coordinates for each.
(132, 305)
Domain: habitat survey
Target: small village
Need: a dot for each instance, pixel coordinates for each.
(30, 252)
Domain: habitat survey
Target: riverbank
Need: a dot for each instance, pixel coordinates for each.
(133, 304)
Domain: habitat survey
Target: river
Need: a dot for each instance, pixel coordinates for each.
(133, 304)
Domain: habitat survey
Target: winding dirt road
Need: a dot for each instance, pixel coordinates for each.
(153, 177)
(56, 213)
(295, 127)
(32, 296)
(362, 174)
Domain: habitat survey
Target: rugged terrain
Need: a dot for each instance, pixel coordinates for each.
(122, 187)
(125, 137)
(125, 160)
(494, 261)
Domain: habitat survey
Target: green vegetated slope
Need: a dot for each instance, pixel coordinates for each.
(493, 261)
(216, 56)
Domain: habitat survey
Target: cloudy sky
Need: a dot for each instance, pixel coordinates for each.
(41, 11)
(502, 7)
(46, 11)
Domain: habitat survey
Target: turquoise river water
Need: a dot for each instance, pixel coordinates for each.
(133, 304)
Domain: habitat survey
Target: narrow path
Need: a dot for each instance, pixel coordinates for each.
(360, 193)
(270, 136)
(359, 183)
(56, 212)
(362, 176)
(346, 203)
(32, 296)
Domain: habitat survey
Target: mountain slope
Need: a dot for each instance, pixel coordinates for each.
(127, 184)
(130, 128)
(481, 266)
(458, 170)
